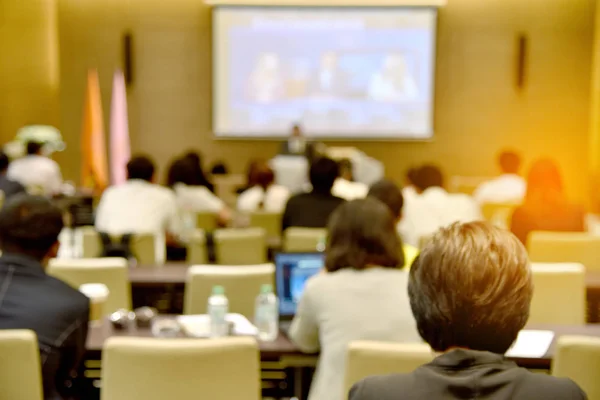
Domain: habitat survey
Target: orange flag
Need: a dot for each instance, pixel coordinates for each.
(94, 167)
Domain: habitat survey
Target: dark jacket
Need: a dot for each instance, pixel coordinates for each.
(309, 210)
(467, 374)
(10, 187)
(57, 313)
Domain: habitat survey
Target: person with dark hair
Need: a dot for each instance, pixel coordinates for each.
(389, 194)
(140, 206)
(345, 186)
(30, 299)
(508, 187)
(36, 172)
(312, 210)
(192, 197)
(361, 295)
(7, 186)
(200, 178)
(219, 168)
(546, 207)
(434, 207)
(264, 195)
(470, 292)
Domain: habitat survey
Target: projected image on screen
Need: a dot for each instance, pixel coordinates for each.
(364, 72)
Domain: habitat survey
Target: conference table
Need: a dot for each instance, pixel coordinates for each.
(172, 276)
(286, 372)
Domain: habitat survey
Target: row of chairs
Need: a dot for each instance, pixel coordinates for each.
(233, 246)
(135, 368)
(559, 297)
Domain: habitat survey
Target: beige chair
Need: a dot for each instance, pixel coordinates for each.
(242, 284)
(112, 272)
(380, 358)
(559, 295)
(269, 221)
(303, 239)
(578, 358)
(240, 246)
(158, 369)
(196, 248)
(142, 245)
(499, 214)
(206, 221)
(20, 370)
(559, 247)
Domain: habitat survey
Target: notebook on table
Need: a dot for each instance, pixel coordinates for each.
(292, 270)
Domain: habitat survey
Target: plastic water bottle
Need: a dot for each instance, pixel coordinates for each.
(266, 315)
(218, 306)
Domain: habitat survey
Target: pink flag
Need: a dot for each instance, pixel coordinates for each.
(120, 152)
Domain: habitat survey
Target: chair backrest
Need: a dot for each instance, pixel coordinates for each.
(196, 248)
(20, 371)
(240, 246)
(242, 284)
(269, 221)
(206, 220)
(112, 272)
(158, 369)
(380, 358)
(565, 247)
(498, 214)
(559, 294)
(143, 246)
(578, 358)
(303, 239)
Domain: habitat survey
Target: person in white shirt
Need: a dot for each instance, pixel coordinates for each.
(345, 187)
(192, 196)
(435, 208)
(265, 195)
(508, 187)
(140, 206)
(37, 173)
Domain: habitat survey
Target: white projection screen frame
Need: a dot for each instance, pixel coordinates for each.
(348, 73)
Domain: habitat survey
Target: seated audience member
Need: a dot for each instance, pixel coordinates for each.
(219, 168)
(546, 207)
(362, 295)
(140, 206)
(200, 176)
(470, 291)
(389, 194)
(36, 172)
(409, 191)
(312, 210)
(435, 208)
(345, 187)
(250, 175)
(30, 299)
(8, 187)
(265, 195)
(192, 196)
(508, 187)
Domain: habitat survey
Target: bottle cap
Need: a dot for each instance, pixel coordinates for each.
(266, 289)
(217, 289)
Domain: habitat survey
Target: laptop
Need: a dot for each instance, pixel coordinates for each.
(292, 270)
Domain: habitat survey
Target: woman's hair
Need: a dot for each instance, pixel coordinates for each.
(362, 233)
(544, 183)
(251, 170)
(182, 170)
(200, 178)
(471, 287)
(264, 176)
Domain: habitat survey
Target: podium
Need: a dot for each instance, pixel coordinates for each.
(292, 171)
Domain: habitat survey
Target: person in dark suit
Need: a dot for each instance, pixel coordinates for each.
(546, 207)
(470, 291)
(30, 299)
(7, 186)
(312, 210)
(298, 145)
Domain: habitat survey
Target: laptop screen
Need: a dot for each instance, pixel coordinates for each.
(292, 270)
